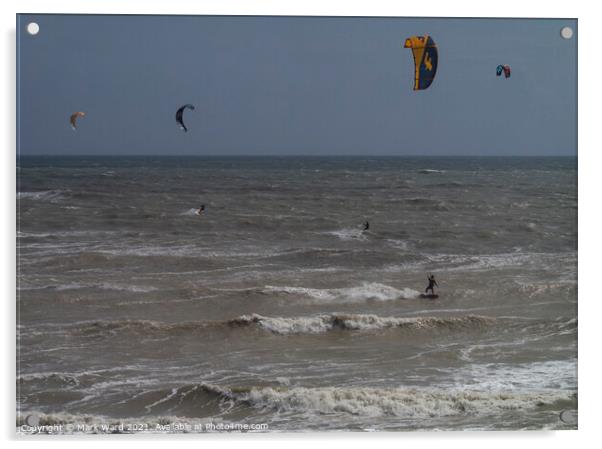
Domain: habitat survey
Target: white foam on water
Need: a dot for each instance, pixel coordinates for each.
(46, 195)
(189, 251)
(383, 402)
(481, 262)
(102, 286)
(87, 233)
(363, 292)
(542, 288)
(297, 325)
(553, 375)
(128, 288)
(191, 212)
(360, 322)
(349, 234)
(73, 378)
(173, 393)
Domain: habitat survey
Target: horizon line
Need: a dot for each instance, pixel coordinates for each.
(295, 155)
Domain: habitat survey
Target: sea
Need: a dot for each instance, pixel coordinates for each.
(274, 311)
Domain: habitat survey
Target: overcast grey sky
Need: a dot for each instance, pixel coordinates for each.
(294, 85)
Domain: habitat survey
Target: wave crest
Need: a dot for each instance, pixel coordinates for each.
(398, 402)
(316, 324)
(329, 322)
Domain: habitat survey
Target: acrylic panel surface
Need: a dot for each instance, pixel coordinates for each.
(227, 223)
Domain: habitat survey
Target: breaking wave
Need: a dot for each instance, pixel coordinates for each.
(359, 322)
(205, 400)
(286, 325)
(398, 402)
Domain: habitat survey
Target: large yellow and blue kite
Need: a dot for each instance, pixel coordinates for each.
(425, 54)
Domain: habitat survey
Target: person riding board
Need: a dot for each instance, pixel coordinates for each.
(366, 226)
(200, 210)
(432, 284)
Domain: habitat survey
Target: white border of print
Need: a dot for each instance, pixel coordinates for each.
(590, 161)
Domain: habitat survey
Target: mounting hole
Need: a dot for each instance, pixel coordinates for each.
(33, 28)
(32, 420)
(566, 32)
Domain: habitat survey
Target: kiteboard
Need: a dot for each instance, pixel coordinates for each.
(431, 296)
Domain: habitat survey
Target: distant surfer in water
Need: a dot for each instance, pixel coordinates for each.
(366, 226)
(200, 210)
(432, 284)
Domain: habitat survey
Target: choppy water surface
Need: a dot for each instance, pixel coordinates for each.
(274, 307)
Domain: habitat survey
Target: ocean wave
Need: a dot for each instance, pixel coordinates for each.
(366, 291)
(205, 400)
(366, 401)
(46, 195)
(361, 322)
(49, 380)
(286, 325)
(54, 380)
(398, 402)
(479, 262)
(430, 171)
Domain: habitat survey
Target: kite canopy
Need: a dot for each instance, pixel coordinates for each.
(74, 117)
(426, 57)
(180, 116)
(503, 68)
